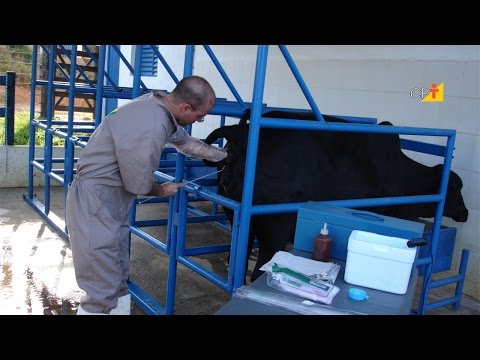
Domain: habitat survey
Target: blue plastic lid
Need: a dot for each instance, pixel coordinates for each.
(357, 294)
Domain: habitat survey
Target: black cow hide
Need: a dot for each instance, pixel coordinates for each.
(302, 165)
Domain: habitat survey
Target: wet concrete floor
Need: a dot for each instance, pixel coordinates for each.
(37, 272)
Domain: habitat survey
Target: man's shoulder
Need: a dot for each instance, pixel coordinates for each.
(141, 103)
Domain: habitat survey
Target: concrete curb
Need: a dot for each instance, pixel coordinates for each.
(14, 165)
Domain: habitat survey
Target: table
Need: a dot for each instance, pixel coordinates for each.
(378, 303)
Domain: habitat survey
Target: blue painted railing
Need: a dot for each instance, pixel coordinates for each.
(8, 111)
(174, 245)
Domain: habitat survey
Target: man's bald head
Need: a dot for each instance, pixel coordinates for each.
(194, 90)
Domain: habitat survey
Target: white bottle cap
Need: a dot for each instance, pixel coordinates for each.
(324, 231)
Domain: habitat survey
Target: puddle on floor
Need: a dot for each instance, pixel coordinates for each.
(36, 279)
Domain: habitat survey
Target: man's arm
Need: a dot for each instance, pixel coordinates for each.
(165, 189)
(194, 147)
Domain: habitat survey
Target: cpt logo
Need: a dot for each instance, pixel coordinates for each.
(433, 94)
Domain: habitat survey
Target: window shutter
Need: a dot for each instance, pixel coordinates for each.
(149, 61)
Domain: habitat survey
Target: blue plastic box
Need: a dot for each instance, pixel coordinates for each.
(342, 221)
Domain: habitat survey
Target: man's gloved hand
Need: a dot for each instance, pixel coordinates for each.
(194, 147)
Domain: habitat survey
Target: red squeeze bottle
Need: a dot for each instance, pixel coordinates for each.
(322, 245)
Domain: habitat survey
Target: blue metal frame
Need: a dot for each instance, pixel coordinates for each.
(247, 210)
(113, 68)
(8, 111)
(179, 209)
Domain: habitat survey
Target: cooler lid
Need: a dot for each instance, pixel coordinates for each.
(360, 220)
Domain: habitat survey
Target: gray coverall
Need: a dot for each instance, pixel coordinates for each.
(117, 164)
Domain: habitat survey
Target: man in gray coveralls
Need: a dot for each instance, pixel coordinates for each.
(116, 166)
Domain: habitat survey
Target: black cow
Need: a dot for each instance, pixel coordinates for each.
(302, 165)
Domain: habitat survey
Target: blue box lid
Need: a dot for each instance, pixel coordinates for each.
(361, 220)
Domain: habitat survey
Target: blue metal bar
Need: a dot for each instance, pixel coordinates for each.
(235, 229)
(181, 224)
(445, 281)
(113, 68)
(48, 136)
(9, 108)
(358, 119)
(137, 75)
(227, 108)
(121, 93)
(423, 261)
(165, 64)
(301, 82)
(54, 160)
(59, 67)
(73, 64)
(59, 133)
(426, 285)
(146, 302)
(345, 127)
(251, 159)
(419, 146)
(55, 177)
(443, 302)
(93, 57)
(69, 147)
(199, 212)
(176, 214)
(66, 123)
(225, 77)
(38, 165)
(43, 125)
(387, 201)
(462, 272)
(52, 51)
(138, 296)
(57, 223)
(205, 218)
(99, 92)
(206, 250)
(214, 278)
(171, 251)
(127, 64)
(188, 71)
(31, 144)
(202, 192)
(149, 238)
(147, 223)
(189, 163)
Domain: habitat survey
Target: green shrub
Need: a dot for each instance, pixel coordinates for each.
(22, 131)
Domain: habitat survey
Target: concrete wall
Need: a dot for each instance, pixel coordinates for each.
(14, 165)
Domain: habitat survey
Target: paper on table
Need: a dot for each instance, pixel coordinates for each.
(304, 291)
(316, 269)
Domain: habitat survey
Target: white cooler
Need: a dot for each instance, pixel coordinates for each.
(379, 262)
